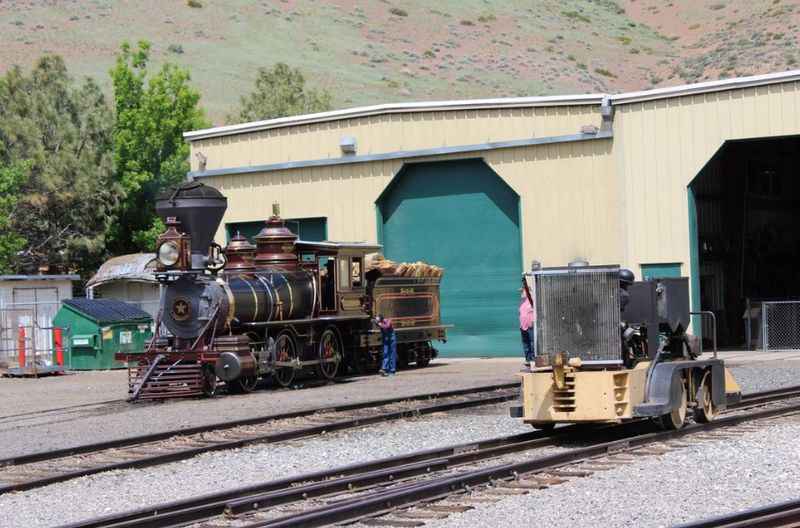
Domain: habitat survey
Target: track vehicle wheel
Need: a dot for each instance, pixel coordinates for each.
(705, 411)
(422, 363)
(675, 419)
(209, 381)
(330, 354)
(544, 426)
(243, 385)
(285, 351)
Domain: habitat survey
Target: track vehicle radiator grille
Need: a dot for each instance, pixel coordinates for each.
(578, 313)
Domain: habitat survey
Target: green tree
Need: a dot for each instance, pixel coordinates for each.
(152, 113)
(280, 92)
(62, 133)
(12, 178)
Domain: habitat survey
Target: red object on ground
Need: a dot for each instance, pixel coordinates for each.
(59, 345)
(21, 346)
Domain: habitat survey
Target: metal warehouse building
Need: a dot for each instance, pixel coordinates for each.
(698, 180)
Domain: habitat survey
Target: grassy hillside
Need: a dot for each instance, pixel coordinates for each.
(378, 51)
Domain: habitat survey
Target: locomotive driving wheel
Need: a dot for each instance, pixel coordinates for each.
(330, 354)
(285, 352)
(705, 411)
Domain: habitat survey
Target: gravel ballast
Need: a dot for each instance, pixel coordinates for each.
(124, 490)
(709, 478)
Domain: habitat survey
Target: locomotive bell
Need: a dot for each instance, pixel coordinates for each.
(199, 208)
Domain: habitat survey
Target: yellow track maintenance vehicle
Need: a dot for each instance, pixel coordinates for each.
(611, 349)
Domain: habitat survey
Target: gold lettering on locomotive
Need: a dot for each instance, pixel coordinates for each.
(406, 290)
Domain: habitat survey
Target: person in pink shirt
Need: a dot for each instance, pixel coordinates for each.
(527, 319)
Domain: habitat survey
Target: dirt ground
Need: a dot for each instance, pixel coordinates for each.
(64, 411)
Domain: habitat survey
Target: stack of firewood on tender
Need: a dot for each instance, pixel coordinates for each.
(402, 269)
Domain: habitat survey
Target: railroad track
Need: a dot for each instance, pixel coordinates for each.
(436, 478)
(41, 469)
(783, 514)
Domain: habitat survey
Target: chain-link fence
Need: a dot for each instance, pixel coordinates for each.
(27, 327)
(780, 325)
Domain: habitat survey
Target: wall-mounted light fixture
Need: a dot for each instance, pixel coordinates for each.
(348, 145)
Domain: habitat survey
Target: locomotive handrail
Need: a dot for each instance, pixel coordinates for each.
(258, 324)
(410, 328)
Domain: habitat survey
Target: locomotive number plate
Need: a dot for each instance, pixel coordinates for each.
(406, 290)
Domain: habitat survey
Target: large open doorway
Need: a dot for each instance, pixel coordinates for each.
(747, 199)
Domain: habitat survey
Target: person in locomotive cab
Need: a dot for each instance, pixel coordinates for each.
(389, 365)
(527, 318)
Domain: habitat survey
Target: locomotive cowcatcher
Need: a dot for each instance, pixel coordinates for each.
(611, 349)
(276, 308)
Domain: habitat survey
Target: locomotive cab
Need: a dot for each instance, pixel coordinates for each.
(610, 349)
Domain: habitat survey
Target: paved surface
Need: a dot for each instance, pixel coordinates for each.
(82, 419)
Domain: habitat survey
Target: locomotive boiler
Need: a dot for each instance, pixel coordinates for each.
(278, 308)
(611, 349)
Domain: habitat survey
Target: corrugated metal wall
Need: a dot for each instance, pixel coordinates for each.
(569, 198)
(393, 132)
(660, 146)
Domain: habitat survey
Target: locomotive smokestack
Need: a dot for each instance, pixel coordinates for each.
(276, 209)
(199, 208)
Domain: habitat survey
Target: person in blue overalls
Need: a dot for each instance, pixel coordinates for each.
(389, 364)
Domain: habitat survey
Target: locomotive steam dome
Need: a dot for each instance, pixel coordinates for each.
(199, 208)
(240, 253)
(275, 244)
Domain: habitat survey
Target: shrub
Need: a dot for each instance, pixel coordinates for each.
(487, 18)
(604, 72)
(633, 51)
(175, 48)
(625, 40)
(574, 15)
(197, 4)
(429, 54)
(399, 12)
(467, 23)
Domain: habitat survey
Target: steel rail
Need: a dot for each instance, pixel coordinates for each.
(436, 488)
(274, 492)
(181, 454)
(771, 516)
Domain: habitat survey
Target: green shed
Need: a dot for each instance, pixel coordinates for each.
(96, 329)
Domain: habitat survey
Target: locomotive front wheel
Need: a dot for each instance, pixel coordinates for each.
(243, 385)
(209, 382)
(675, 419)
(330, 354)
(285, 351)
(705, 411)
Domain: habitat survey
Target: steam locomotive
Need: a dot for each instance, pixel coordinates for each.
(275, 309)
(611, 349)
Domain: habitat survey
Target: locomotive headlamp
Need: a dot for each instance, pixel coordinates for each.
(168, 254)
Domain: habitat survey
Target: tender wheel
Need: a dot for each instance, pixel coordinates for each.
(285, 351)
(209, 382)
(422, 363)
(705, 411)
(330, 354)
(676, 418)
(243, 385)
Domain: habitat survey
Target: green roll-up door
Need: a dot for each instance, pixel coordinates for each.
(460, 215)
(310, 229)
